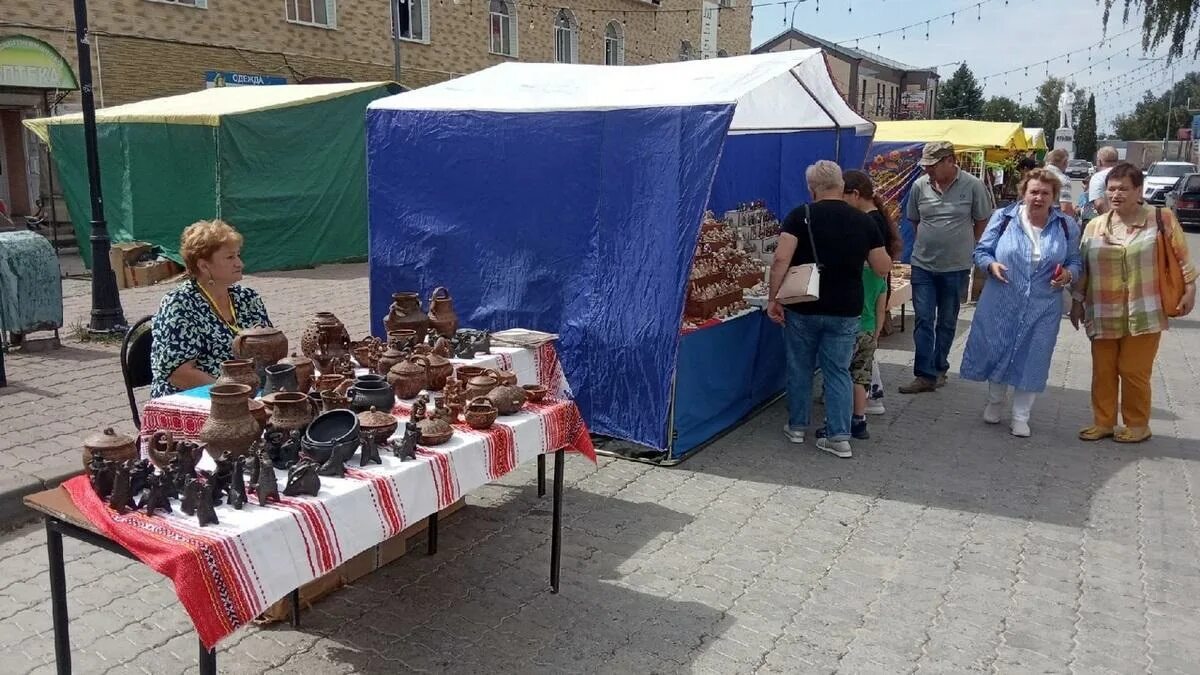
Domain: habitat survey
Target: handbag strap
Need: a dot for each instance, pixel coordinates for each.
(811, 242)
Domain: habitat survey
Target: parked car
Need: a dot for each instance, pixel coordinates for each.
(1161, 177)
(1184, 199)
(1080, 168)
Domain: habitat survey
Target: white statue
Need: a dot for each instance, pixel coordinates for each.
(1065, 120)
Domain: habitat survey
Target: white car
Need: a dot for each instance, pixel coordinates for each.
(1161, 176)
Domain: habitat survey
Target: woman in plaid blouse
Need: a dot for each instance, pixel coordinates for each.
(1118, 301)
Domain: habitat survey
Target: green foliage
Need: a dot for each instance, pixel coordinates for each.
(1155, 115)
(1001, 109)
(961, 97)
(1163, 22)
(1085, 130)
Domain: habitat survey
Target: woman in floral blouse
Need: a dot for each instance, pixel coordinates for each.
(1119, 303)
(196, 322)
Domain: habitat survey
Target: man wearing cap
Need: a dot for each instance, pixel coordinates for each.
(948, 209)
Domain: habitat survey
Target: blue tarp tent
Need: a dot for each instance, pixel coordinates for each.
(568, 198)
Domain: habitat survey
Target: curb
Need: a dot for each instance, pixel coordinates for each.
(14, 488)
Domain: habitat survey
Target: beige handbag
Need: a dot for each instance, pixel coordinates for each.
(802, 283)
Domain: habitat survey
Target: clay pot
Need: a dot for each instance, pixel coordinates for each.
(239, 371)
(405, 313)
(230, 428)
(316, 400)
(331, 400)
(507, 398)
(440, 370)
(506, 377)
(329, 381)
(380, 425)
(325, 338)
(442, 317)
(535, 392)
(465, 373)
(480, 413)
(258, 410)
(290, 410)
(371, 393)
(306, 369)
(482, 384)
(109, 445)
(391, 356)
(409, 377)
(264, 345)
(280, 377)
(435, 430)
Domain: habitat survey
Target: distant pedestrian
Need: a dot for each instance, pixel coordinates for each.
(948, 209)
(1106, 159)
(1030, 252)
(1117, 299)
(1056, 163)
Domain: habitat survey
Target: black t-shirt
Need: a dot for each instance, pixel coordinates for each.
(843, 235)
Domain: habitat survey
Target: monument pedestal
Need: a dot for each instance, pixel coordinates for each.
(1065, 138)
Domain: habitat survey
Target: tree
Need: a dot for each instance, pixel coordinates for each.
(961, 97)
(1085, 130)
(1154, 116)
(1162, 21)
(1001, 109)
(1030, 117)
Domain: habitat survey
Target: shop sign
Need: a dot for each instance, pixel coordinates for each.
(223, 78)
(912, 103)
(29, 63)
(710, 13)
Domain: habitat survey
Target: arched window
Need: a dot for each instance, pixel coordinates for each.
(721, 53)
(566, 37)
(502, 18)
(614, 44)
(685, 51)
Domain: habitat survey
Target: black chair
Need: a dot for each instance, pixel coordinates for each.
(135, 361)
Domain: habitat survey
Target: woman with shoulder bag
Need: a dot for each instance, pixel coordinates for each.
(1136, 274)
(817, 296)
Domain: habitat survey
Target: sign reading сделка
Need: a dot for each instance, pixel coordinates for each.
(224, 78)
(29, 63)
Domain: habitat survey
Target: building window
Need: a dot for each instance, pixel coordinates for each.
(614, 44)
(413, 16)
(200, 4)
(566, 37)
(502, 18)
(312, 12)
(721, 53)
(685, 51)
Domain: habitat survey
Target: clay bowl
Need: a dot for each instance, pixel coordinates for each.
(465, 373)
(334, 430)
(534, 392)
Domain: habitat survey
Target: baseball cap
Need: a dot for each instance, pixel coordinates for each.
(936, 151)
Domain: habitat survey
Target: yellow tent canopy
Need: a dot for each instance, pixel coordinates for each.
(1035, 138)
(964, 134)
(207, 106)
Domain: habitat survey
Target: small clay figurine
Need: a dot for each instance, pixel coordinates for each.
(407, 448)
(255, 451)
(205, 513)
(237, 484)
(266, 487)
(221, 478)
(139, 472)
(370, 451)
(191, 493)
(154, 497)
(334, 466)
(121, 498)
(100, 471)
(419, 407)
(303, 480)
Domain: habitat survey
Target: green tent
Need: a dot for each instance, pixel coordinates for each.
(285, 165)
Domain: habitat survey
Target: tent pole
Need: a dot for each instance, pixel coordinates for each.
(837, 129)
(396, 39)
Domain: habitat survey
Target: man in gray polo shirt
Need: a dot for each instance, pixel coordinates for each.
(948, 209)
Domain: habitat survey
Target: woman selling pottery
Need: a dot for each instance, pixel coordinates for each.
(1118, 301)
(196, 322)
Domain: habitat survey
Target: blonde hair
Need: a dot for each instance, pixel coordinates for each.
(1042, 176)
(202, 239)
(1056, 156)
(1107, 154)
(824, 176)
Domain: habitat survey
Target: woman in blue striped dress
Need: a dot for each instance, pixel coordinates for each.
(1030, 251)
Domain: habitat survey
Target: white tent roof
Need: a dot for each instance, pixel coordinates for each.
(778, 91)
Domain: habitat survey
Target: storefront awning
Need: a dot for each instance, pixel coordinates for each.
(964, 134)
(29, 63)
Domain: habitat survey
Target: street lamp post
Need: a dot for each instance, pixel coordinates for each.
(107, 314)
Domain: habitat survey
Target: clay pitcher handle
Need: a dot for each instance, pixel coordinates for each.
(439, 293)
(345, 388)
(423, 360)
(238, 340)
(483, 400)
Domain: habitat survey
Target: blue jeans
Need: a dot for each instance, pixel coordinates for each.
(828, 342)
(936, 298)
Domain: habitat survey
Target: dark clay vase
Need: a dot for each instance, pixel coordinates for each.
(306, 369)
(239, 371)
(326, 334)
(230, 428)
(405, 313)
(442, 317)
(367, 394)
(280, 377)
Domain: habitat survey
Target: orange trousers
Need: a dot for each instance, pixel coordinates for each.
(1121, 369)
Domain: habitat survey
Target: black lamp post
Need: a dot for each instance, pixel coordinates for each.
(107, 314)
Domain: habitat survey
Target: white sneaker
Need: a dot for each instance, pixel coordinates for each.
(793, 435)
(991, 412)
(838, 448)
(1020, 429)
(875, 407)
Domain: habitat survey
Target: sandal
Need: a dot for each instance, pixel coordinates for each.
(1133, 435)
(1095, 433)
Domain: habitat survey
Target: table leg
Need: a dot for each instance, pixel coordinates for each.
(542, 475)
(58, 598)
(208, 660)
(556, 527)
(295, 598)
(903, 316)
(431, 533)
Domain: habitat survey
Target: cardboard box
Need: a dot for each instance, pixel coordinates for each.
(121, 255)
(148, 274)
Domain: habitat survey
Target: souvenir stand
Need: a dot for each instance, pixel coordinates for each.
(570, 198)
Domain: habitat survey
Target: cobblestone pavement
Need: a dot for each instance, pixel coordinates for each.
(945, 545)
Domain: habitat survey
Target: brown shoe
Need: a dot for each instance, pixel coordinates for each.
(1095, 433)
(1132, 435)
(941, 381)
(919, 385)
